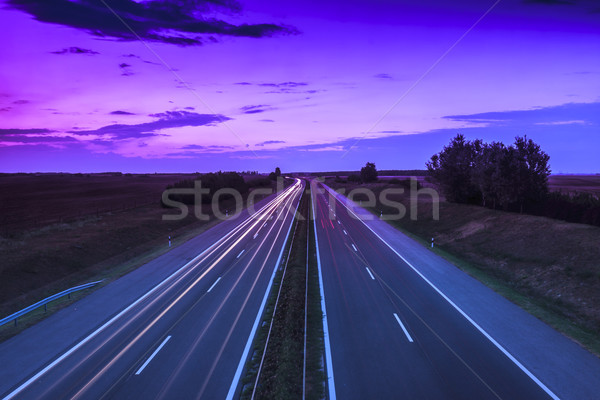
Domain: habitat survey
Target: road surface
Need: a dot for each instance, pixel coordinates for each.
(185, 337)
(401, 324)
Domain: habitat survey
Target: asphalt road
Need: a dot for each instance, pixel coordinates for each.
(185, 337)
(392, 333)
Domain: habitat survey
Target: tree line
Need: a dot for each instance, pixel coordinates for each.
(513, 178)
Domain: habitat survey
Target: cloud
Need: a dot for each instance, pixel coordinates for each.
(34, 136)
(21, 102)
(33, 131)
(269, 142)
(166, 21)
(266, 120)
(168, 119)
(125, 69)
(75, 50)
(119, 112)
(383, 76)
(589, 113)
(284, 84)
(254, 109)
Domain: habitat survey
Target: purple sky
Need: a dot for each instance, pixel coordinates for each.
(301, 85)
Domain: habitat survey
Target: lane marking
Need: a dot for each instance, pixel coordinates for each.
(345, 233)
(457, 308)
(213, 285)
(255, 235)
(354, 247)
(338, 221)
(403, 328)
(241, 252)
(330, 379)
(369, 271)
(139, 371)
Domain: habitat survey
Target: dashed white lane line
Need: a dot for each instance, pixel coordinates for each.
(403, 328)
(369, 271)
(354, 247)
(255, 235)
(241, 252)
(345, 233)
(338, 221)
(139, 371)
(213, 285)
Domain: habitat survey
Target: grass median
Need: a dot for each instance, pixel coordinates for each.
(282, 369)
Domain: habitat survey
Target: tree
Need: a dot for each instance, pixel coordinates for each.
(452, 170)
(368, 173)
(532, 170)
(274, 175)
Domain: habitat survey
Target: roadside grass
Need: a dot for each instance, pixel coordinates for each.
(38, 263)
(282, 371)
(549, 268)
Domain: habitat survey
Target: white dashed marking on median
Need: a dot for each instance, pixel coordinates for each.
(241, 252)
(139, 371)
(369, 271)
(213, 285)
(403, 328)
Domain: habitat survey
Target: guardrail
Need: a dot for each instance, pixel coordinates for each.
(45, 302)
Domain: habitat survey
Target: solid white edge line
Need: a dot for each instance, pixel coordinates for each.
(240, 368)
(354, 247)
(403, 328)
(457, 308)
(369, 271)
(328, 360)
(139, 371)
(241, 252)
(213, 285)
(35, 377)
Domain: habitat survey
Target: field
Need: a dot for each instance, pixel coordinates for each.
(547, 266)
(59, 231)
(575, 183)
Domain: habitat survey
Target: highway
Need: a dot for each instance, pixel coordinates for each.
(186, 337)
(391, 334)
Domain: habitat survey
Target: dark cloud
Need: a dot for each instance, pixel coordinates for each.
(390, 131)
(266, 120)
(254, 109)
(189, 108)
(270, 142)
(383, 76)
(75, 50)
(168, 119)
(125, 69)
(119, 112)
(284, 84)
(549, 2)
(20, 102)
(169, 21)
(243, 83)
(33, 131)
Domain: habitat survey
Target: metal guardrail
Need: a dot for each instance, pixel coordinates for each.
(45, 302)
